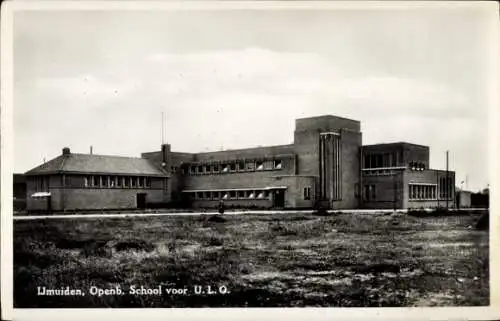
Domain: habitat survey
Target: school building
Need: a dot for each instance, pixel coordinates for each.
(326, 165)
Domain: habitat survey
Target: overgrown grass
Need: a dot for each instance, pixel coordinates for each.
(282, 260)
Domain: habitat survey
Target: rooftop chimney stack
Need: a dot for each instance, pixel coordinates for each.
(90, 149)
(66, 151)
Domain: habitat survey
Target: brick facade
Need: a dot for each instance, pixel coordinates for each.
(326, 165)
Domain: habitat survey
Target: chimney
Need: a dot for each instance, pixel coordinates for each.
(90, 149)
(66, 151)
(165, 155)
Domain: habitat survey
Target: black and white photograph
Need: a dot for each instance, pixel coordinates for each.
(267, 155)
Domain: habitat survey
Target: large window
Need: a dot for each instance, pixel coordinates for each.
(422, 191)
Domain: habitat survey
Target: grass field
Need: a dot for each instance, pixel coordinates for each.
(282, 260)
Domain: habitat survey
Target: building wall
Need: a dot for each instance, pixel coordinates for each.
(74, 195)
(255, 179)
(386, 185)
(307, 148)
(351, 170)
(464, 199)
(395, 154)
(254, 203)
(428, 177)
(416, 153)
(84, 198)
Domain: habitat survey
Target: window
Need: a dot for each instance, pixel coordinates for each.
(126, 181)
(241, 166)
(199, 195)
(42, 183)
(259, 165)
(119, 181)
(86, 181)
(200, 169)
(367, 161)
(192, 170)
(215, 195)
(261, 194)
(216, 168)
(278, 164)
(148, 182)
(225, 168)
(140, 182)
(232, 167)
(208, 195)
(422, 191)
(241, 194)
(225, 196)
(251, 194)
(250, 165)
(307, 193)
(232, 194)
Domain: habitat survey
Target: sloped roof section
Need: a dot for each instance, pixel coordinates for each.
(98, 164)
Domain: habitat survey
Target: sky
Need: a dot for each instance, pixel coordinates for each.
(227, 79)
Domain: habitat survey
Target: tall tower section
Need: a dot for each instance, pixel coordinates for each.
(329, 149)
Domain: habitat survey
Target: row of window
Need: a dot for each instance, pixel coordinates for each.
(378, 172)
(236, 166)
(422, 192)
(229, 195)
(445, 187)
(107, 181)
(382, 160)
(41, 183)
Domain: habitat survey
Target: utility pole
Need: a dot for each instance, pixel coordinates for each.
(447, 180)
(395, 186)
(162, 129)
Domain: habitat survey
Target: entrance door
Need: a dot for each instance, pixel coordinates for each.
(279, 198)
(141, 200)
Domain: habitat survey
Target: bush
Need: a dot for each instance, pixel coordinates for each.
(320, 209)
(484, 222)
(417, 213)
(217, 218)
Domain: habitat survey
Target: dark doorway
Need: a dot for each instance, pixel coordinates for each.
(279, 198)
(141, 200)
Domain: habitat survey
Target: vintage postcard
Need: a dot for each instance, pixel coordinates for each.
(185, 158)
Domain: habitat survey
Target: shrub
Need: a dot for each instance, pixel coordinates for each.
(217, 218)
(484, 222)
